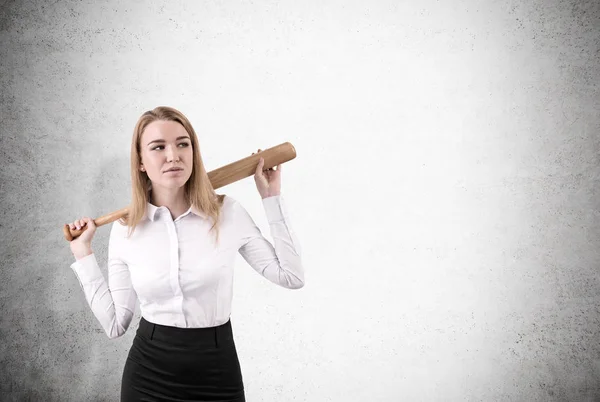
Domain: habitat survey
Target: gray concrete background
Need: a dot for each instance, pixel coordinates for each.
(445, 191)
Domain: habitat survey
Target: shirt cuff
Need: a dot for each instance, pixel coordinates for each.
(274, 208)
(87, 269)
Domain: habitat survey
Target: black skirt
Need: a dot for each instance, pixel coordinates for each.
(182, 364)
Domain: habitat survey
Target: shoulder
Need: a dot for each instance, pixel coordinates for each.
(118, 224)
(118, 230)
(229, 202)
(232, 207)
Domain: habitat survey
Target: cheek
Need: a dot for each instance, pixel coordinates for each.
(152, 163)
(155, 157)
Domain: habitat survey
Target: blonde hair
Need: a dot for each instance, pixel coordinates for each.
(198, 190)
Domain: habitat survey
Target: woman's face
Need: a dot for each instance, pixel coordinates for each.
(165, 145)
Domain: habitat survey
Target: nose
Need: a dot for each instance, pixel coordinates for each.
(172, 154)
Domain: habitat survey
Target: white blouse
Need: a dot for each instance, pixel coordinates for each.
(178, 274)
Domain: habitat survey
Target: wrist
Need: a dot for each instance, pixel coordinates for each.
(82, 253)
(270, 195)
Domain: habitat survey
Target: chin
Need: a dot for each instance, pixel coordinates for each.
(179, 182)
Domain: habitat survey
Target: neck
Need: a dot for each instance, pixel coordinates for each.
(173, 199)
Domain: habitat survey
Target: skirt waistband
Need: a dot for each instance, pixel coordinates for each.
(206, 336)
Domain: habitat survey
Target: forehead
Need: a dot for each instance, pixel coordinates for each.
(165, 130)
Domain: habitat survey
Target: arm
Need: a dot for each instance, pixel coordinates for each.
(280, 264)
(112, 304)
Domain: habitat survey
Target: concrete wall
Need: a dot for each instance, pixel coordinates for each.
(446, 189)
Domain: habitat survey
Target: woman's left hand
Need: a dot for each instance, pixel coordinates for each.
(268, 181)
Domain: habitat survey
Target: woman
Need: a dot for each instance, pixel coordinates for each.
(175, 253)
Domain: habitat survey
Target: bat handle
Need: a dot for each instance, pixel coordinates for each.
(72, 234)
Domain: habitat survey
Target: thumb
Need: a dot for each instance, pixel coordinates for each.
(261, 163)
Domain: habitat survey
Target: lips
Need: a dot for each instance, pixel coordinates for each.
(173, 170)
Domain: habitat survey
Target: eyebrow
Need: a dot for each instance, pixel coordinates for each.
(178, 138)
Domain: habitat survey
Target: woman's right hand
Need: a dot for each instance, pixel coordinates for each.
(83, 242)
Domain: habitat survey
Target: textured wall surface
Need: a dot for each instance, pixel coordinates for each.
(446, 189)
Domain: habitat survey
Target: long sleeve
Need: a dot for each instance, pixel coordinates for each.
(280, 264)
(112, 304)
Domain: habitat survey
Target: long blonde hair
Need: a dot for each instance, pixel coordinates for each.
(198, 190)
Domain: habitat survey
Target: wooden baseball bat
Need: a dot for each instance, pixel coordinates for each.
(220, 177)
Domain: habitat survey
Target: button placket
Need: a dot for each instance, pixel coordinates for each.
(178, 253)
(174, 268)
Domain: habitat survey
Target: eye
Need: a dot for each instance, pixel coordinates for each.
(162, 146)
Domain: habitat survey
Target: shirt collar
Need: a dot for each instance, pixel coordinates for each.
(152, 209)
